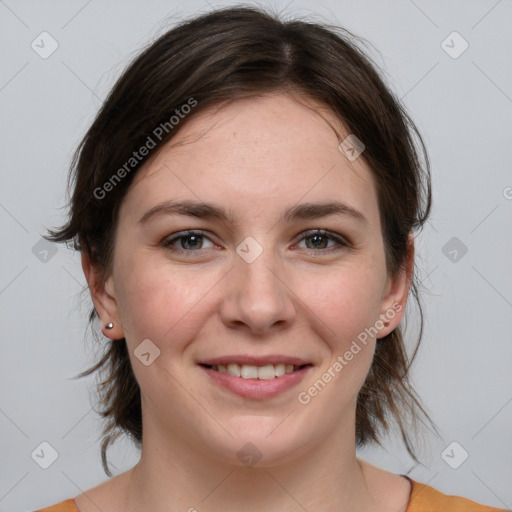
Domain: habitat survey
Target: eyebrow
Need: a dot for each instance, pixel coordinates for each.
(210, 211)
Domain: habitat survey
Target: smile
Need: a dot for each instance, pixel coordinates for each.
(246, 371)
(256, 378)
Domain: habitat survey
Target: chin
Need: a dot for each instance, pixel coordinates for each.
(262, 442)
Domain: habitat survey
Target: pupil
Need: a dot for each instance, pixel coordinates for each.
(195, 241)
(317, 240)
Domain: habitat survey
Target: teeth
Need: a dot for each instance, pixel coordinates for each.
(234, 369)
(280, 369)
(247, 371)
(266, 372)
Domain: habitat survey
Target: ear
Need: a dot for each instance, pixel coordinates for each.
(396, 293)
(103, 298)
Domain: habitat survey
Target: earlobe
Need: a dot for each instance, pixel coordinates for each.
(103, 298)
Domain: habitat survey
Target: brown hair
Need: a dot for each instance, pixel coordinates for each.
(225, 55)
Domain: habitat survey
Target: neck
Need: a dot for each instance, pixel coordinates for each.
(175, 475)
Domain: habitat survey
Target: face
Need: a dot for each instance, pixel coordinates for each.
(272, 262)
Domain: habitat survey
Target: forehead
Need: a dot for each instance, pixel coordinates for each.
(269, 151)
(268, 128)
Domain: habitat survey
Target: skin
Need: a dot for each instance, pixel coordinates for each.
(256, 158)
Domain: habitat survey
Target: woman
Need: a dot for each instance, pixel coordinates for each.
(245, 205)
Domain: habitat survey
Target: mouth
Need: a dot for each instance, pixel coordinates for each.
(247, 371)
(256, 378)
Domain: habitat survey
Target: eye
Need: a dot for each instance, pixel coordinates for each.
(318, 239)
(189, 241)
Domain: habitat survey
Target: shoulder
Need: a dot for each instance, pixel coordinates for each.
(63, 506)
(427, 499)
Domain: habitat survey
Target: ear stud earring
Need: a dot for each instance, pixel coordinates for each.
(109, 326)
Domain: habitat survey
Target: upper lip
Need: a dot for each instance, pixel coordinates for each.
(254, 361)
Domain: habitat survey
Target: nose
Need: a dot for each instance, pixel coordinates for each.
(258, 297)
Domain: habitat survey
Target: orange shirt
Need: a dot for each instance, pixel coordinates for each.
(427, 499)
(423, 499)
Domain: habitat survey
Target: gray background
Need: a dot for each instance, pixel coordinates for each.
(463, 108)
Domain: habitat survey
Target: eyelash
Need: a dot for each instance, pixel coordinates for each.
(341, 241)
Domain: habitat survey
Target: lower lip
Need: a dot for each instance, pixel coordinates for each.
(257, 388)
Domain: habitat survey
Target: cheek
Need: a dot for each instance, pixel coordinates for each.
(161, 305)
(345, 307)
(345, 301)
